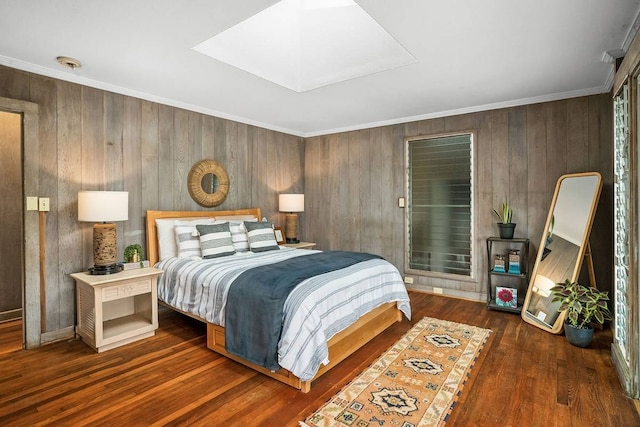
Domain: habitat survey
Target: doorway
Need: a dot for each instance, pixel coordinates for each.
(11, 216)
(27, 246)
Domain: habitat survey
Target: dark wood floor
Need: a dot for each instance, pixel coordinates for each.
(524, 377)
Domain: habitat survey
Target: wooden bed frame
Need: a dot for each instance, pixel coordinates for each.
(341, 345)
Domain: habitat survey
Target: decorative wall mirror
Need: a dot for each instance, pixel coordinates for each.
(563, 247)
(208, 183)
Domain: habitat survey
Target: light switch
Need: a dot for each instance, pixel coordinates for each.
(43, 204)
(32, 203)
(401, 202)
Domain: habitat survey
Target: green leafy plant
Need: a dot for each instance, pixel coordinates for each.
(585, 306)
(131, 251)
(505, 213)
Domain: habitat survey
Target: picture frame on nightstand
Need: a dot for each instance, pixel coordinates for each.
(279, 235)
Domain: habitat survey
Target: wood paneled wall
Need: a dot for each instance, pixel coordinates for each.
(93, 139)
(353, 180)
(90, 139)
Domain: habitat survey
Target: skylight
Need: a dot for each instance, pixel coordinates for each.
(306, 44)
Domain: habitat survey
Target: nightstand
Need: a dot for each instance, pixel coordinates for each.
(116, 309)
(300, 245)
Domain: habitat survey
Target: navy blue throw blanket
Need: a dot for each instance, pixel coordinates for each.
(255, 302)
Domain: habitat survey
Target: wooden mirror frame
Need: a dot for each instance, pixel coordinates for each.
(583, 251)
(194, 183)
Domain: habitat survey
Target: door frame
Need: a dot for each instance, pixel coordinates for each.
(30, 248)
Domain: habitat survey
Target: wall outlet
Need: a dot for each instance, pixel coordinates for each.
(32, 203)
(408, 280)
(437, 290)
(43, 204)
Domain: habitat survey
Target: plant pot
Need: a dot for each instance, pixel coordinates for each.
(506, 230)
(580, 337)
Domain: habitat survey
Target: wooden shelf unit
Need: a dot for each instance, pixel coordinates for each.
(519, 281)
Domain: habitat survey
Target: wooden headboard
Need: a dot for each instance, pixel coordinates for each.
(152, 230)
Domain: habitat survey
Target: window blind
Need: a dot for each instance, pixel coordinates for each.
(440, 204)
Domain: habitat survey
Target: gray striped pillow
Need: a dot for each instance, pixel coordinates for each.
(261, 236)
(215, 240)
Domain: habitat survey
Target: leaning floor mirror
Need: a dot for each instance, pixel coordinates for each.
(563, 248)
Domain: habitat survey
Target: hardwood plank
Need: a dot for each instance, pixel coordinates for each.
(524, 376)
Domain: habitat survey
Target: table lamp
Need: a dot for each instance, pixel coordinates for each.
(103, 207)
(291, 203)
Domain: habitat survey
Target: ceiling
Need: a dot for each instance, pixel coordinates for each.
(470, 55)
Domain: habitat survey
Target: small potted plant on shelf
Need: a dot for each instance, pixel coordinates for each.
(505, 226)
(585, 308)
(134, 254)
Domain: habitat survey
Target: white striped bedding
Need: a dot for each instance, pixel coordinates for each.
(316, 310)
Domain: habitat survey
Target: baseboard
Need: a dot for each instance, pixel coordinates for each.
(9, 315)
(447, 292)
(59, 335)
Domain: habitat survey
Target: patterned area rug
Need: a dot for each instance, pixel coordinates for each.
(415, 383)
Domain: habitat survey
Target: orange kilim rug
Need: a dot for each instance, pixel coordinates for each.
(415, 383)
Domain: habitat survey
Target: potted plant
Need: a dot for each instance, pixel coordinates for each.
(134, 253)
(585, 307)
(505, 226)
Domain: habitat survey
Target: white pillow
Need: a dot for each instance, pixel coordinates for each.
(239, 236)
(167, 247)
(236, 218)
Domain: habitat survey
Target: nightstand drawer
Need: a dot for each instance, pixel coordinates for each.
(127, 290)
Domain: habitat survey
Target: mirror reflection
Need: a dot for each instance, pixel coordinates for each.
(210, 183)
(562, 247)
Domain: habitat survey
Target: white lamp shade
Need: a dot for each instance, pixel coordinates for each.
(291, 203)
(103, 206)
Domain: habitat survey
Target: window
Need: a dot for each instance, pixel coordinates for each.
(440, 204)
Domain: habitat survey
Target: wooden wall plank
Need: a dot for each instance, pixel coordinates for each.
(133, 228)
(69, 181)
(93, 164)
(15, 84)
(337, 193)
(43, 92)
(539, 194)
(578, 134)
(268, 200)
(601, 159)
(166, 155)
(181, 161)
(149, 154)
(69, 168)
(194, 153)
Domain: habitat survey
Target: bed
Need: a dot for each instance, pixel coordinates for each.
(179, 288)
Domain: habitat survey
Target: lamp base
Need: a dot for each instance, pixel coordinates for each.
(292, 240)
(106, 269)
